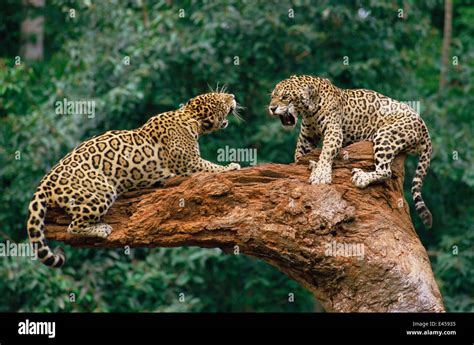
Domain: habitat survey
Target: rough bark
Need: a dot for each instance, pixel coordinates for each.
(272, 213)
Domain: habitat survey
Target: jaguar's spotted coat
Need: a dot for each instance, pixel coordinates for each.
(87, 181)
(343, 116)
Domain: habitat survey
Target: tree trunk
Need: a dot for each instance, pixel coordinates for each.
(448, 24)
(32, 32)
(355, 250)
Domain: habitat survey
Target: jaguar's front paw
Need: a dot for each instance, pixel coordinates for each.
(360, 178)
(233, 166)
(320, 176)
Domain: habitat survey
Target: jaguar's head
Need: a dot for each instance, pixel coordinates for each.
(211, 110)
(291, 97)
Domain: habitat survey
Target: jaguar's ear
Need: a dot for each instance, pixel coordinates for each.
(191, 104)
(309, 92)
(310, 97)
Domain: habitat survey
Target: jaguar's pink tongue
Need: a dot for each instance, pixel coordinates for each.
(287, 120)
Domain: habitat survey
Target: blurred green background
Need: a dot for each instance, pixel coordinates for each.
(178, 49)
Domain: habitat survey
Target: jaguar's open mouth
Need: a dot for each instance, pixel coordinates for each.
(287, 119)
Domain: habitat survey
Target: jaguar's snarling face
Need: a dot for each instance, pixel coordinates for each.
(212, 109)
(290, 98)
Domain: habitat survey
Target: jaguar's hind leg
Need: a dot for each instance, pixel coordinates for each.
(388, 142)
(87, 212)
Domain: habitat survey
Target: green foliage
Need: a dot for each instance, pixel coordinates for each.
(454, 266)
(181, 279)
(249, 47)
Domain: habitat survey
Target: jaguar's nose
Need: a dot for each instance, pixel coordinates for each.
(272, 108)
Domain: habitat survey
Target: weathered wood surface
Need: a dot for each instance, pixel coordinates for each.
(271, 212)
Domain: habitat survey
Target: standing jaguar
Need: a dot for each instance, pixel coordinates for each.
(343, 116)
(88, 180)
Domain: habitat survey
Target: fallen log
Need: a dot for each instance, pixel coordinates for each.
(355, 249)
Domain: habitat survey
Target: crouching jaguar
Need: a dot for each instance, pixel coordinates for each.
(87, 181)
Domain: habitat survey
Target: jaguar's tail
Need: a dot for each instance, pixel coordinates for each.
(35, 227)
(420, 173)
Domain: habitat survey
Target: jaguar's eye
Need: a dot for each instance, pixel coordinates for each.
(284, 97)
